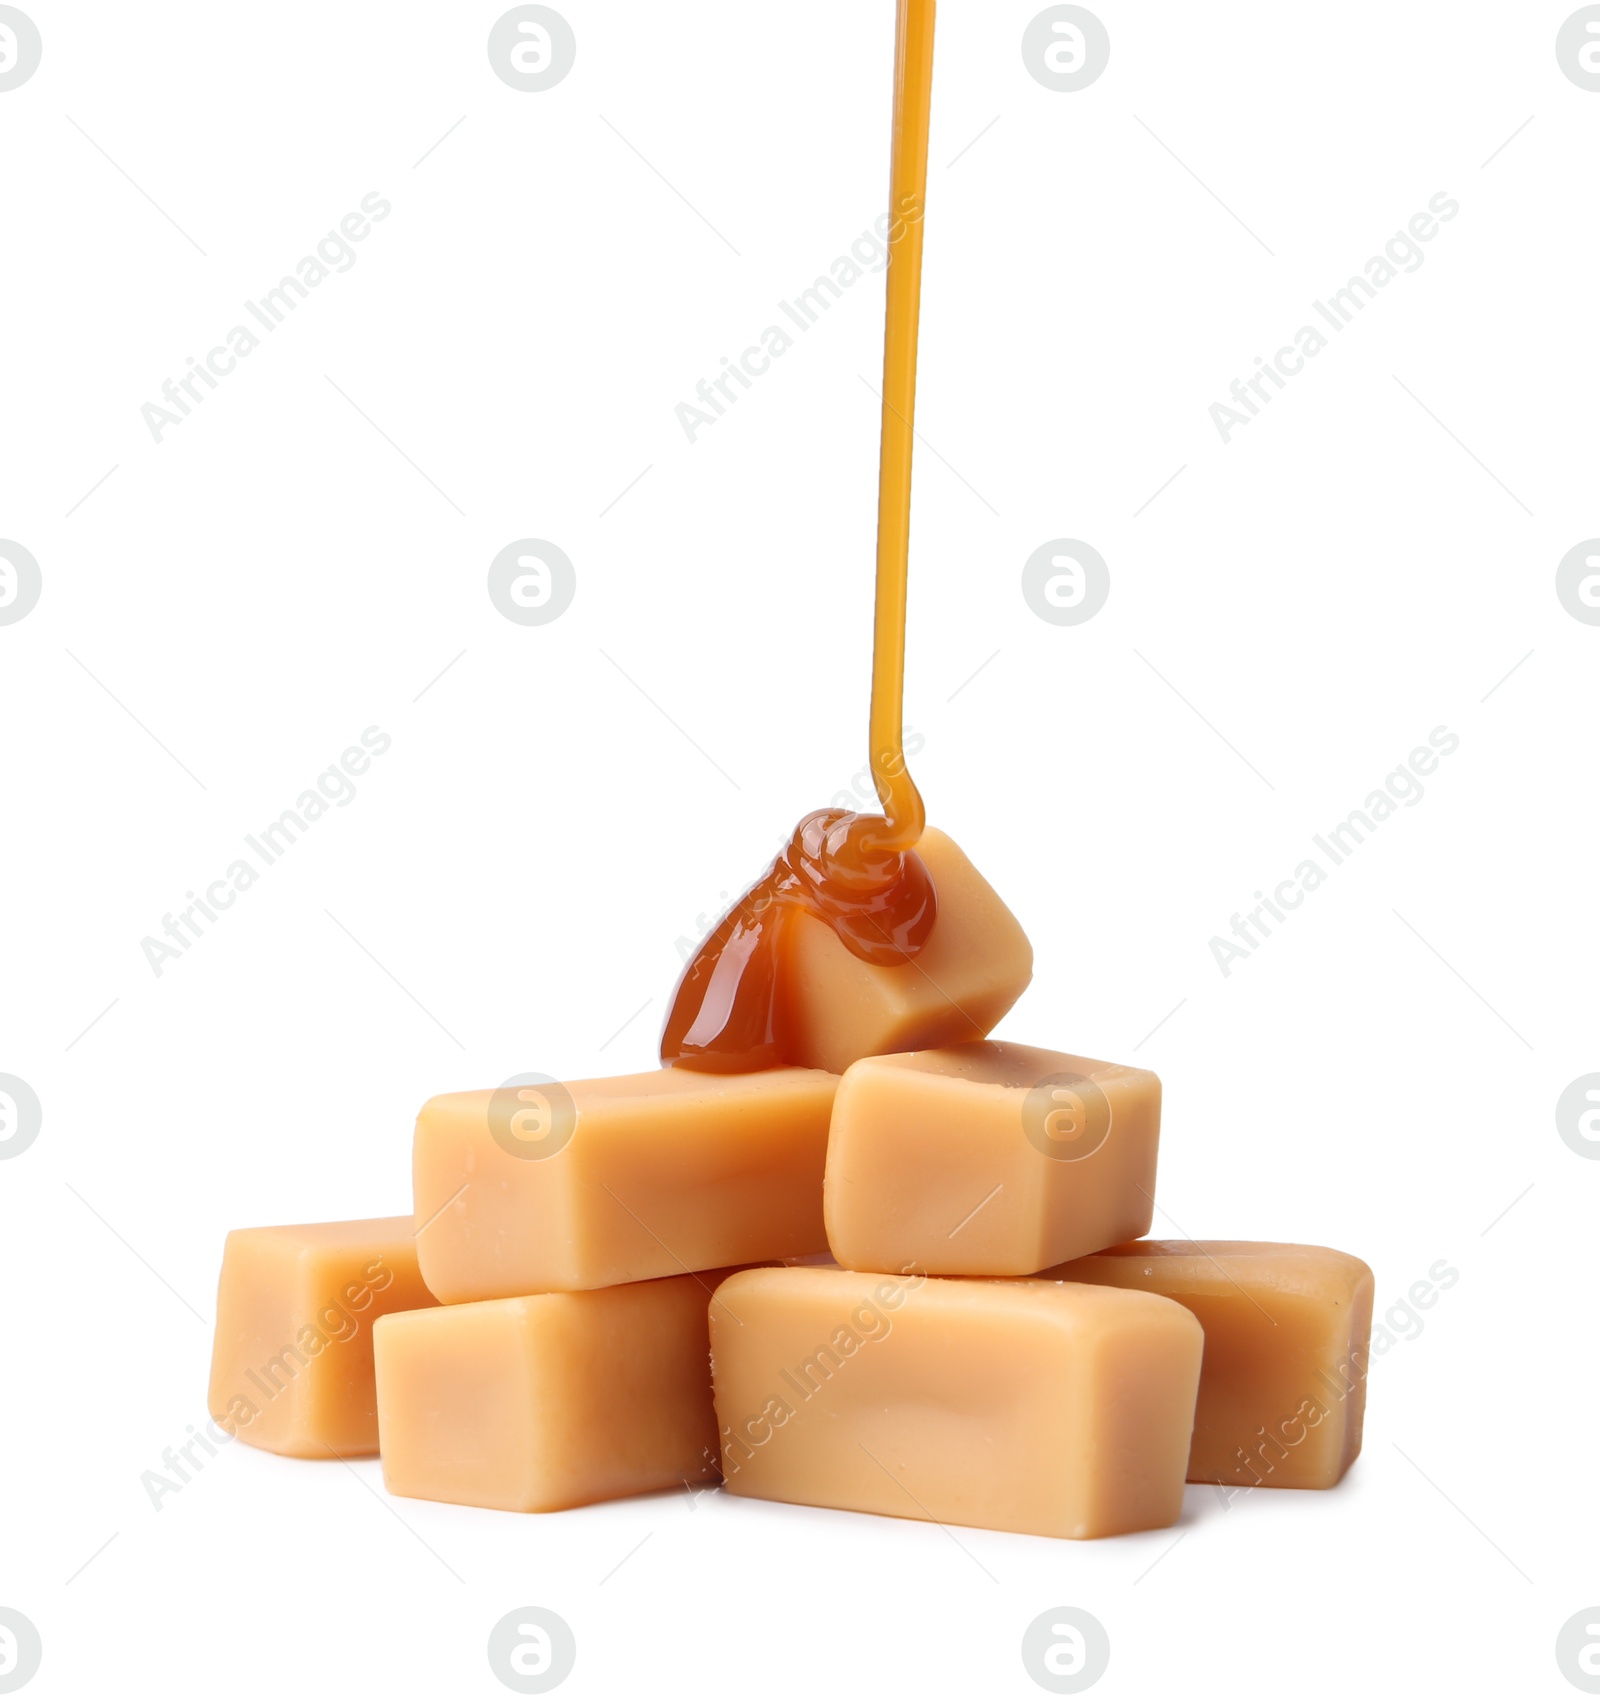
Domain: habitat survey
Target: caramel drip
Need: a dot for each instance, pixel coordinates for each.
(857, 873)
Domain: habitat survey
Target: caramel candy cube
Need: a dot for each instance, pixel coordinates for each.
(291, 1368)
(1021, 1405)
(988, 1159)
(1284, 1385)
(562, 1399)
(559, 1188)
(973, 966)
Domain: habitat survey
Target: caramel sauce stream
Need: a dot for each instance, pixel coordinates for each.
(857, 873)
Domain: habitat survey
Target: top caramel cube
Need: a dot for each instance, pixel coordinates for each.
(973, 966)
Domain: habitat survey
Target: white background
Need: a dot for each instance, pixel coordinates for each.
(1362, 564)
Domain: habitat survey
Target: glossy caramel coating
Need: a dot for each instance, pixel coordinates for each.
(725, 1015)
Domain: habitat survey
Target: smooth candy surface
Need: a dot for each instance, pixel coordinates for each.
(1283, 1390)
(291, 1366)
(1032, 1406)
(536, 1404)
(988, 1159)
(600, 1182)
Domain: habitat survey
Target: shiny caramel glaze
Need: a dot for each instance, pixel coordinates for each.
(857, 873)
(726, 1015)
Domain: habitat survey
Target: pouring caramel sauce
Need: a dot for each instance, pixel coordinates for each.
(860, 874)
